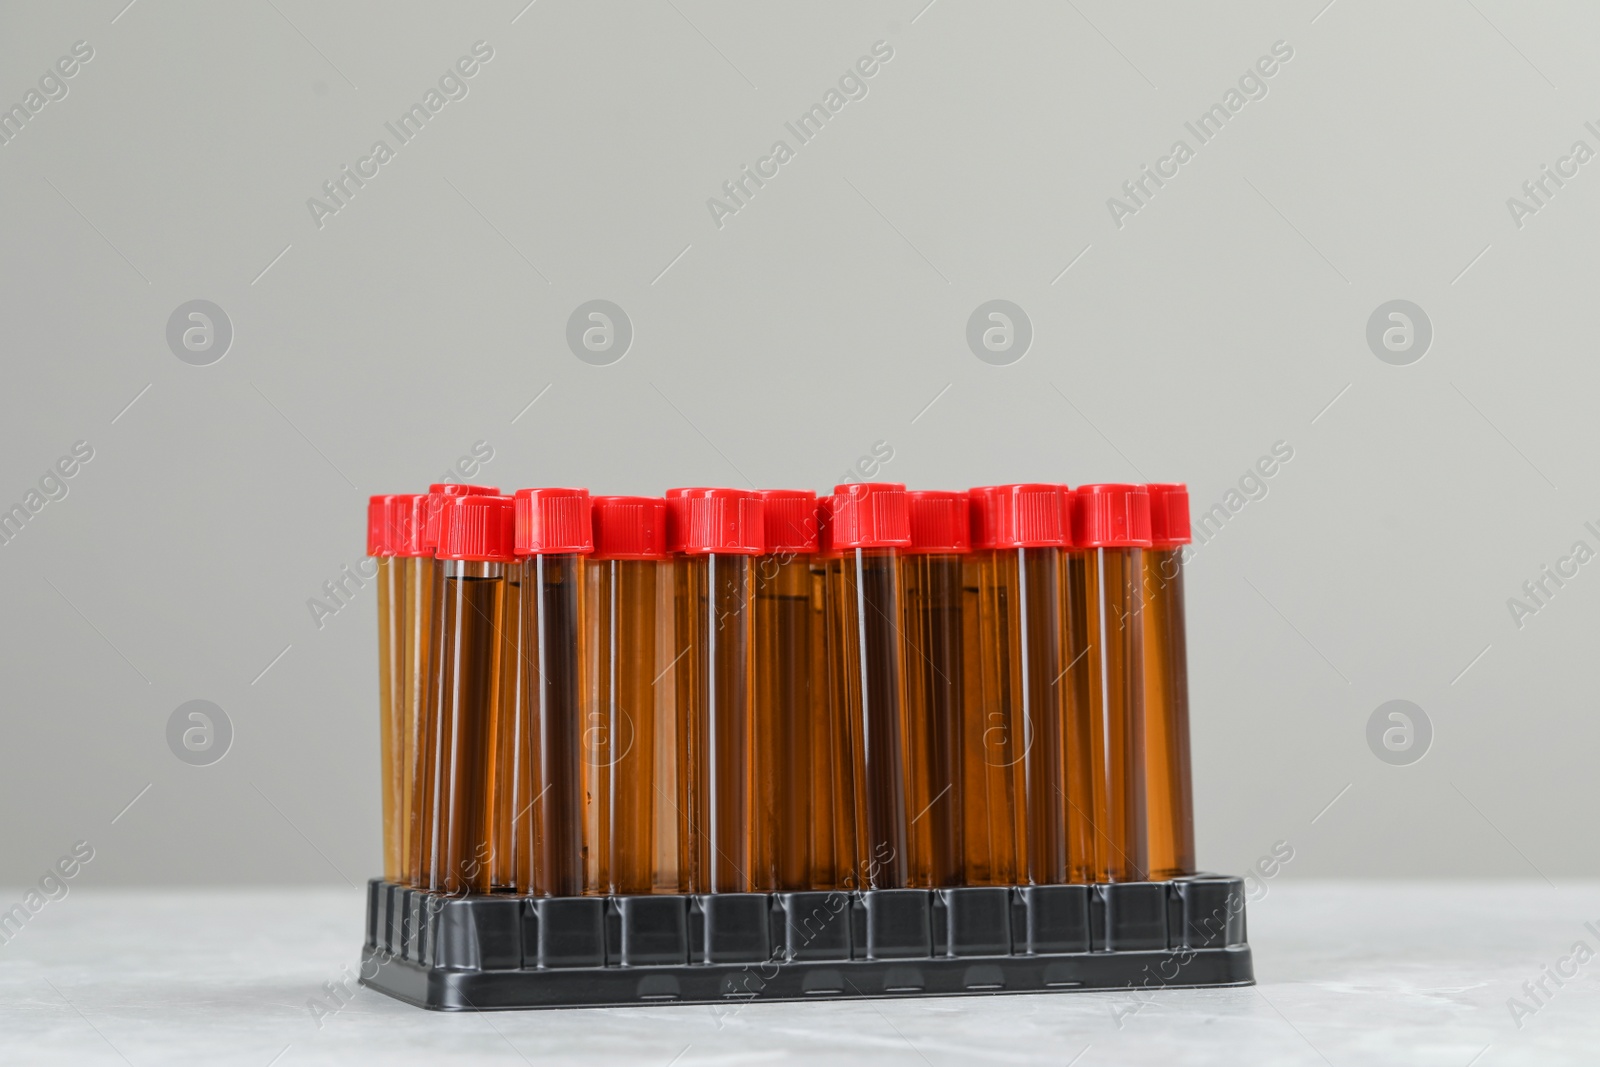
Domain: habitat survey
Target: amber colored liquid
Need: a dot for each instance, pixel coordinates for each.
(1113, 587)
(416, 628)
(509, 790)
(429, 777)
(833, 837)
(715, 598)
(936, 680)
(871, 690)
(1078, 744)
(391, 747)
(474, 596)
(995, 729)
(619, 737)
(785, 710)
(550, 856)
(1169, 793)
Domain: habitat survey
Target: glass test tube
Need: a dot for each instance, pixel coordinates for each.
(715, 535)
(553, 535)
(1169, 793)
(1111, 528)
(1020, 533)
(868, 527)
(627, 695)
(787, 696)
(381, 521)
(938, 613)
(425, 649)
(475, 546)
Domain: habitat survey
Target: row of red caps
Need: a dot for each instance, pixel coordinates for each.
(470, 522)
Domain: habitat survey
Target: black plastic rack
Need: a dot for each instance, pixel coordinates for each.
(495, 952)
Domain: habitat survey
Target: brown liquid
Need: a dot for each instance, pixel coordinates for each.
(510, 793)
(416, 627)
(1078, 744)
(473, 601)
(866, 590)
(715, 685)
(1169, 794)
(391, 691)
(995, 729)
(428, 780)
(936, 680)
(833, 839)
(1042, 612)
(1112, 606)
(552, 618)
(620, 725)
(785, 714)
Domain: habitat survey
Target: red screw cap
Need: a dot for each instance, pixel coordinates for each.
(939, 521)
(791, 521)
(554, 522)
(477, 527)
(870, 515)
(438, 492)
(1111, 516)
(1032, 515)
(382, 519)
(721, 521)
(1169, 514)
(630, 527)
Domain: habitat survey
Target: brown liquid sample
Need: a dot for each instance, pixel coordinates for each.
(510, 795)
(833, 839)
(1078, 743)
(936, 680)
(1113, 586)
(619, 740)
(995, 728)
(429, 779)
(552, 840)
(784, 718)
(715, 686)
(470, 704)
(391, 694)
(865, 593)
(1169, 796)
(416, 627)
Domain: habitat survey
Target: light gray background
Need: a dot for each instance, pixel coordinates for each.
(1227, 315)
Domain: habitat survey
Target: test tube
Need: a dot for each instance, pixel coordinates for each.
(1015, 747)
(623, 584)
(938, 614)
(1111, 531)
(869, 525)
(787, 769)
(1169, 794)
(715, 536)
(554, 534)
(424, 652)
(475, 547)
(381, 524)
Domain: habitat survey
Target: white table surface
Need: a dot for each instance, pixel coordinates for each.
(1350, 973)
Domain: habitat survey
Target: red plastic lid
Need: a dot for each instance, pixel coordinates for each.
(437, 494)
(554, 522)
(1032, 515)
(703, 521)
(381, 522)
(1169, 514)
(939, 521)
(870, 515)
(477, 527)
(790, 520)
(1111, 516)
(630, 527)
(825, 527)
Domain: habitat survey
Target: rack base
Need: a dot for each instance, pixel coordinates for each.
(497, 952)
